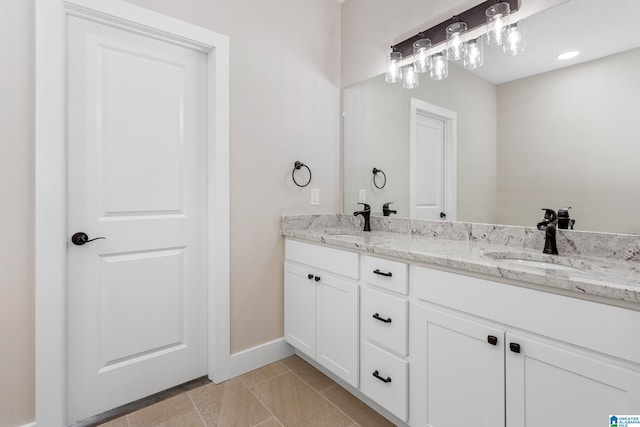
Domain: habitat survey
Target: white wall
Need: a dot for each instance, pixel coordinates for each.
(571, 138)
(285, 100)
(17, 204)
(376, 134)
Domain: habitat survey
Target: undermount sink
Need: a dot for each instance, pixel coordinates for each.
(549, 262)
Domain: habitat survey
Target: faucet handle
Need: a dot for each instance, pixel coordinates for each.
(550, 215)
(367, 207)
(386, 205)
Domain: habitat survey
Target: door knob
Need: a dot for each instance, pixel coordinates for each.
(442, 214)
(82, 238)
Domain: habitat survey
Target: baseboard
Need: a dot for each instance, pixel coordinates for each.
(259, 356)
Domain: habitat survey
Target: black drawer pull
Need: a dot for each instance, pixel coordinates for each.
(493, 340)
(384, 380)
(377, 317)
(376, 271)
(317, 278)
(515, 347)
(310, 276)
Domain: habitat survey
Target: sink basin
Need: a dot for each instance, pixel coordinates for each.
(549, 262)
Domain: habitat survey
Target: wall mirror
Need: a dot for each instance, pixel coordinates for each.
(524, 133)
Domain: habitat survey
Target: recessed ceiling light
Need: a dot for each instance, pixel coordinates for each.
(568, 55)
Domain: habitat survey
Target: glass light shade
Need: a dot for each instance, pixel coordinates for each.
(439, 67)
(394, 71)
(410, 80)
(455, 45)
(514, 42)
(421, 59)
(475, 54)
(497, 23)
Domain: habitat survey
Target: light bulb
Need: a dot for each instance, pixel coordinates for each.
(394, 71)
(497, 22)
(410, 80)
(514, 42)
(439, 67)
(475, 55)
(421, 59)
(455, 46)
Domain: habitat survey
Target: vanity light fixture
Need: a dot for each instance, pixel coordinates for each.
(394, 69)
(449, 40)
(568, 55)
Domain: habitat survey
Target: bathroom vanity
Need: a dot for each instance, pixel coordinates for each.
(444, 325)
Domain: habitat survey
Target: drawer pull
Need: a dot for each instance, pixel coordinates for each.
(310, 276)
(377, 317)
(377, 271)
(492, 339)
(515, 347)
(317, 278)
(384, 380)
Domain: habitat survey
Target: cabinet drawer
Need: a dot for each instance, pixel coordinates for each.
(388, 387)
(389, 326)
(391, 275)
(336, 261)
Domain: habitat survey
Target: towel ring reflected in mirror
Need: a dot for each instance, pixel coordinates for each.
(376, 171)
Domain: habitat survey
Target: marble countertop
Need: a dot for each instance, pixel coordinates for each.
(617, 280)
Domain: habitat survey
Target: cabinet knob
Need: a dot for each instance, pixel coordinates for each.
(515, 347)
(384, 380)
(377, 317)
(310, 276)
(317, 278)
(493, 340)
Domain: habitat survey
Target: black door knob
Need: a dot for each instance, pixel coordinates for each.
(442, 214)
(82, 238)
(515, 347)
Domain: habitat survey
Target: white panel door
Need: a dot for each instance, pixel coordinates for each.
(429, 171)
(548, 381)
(137, 300)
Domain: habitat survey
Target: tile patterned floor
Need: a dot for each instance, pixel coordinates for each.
(288, 393)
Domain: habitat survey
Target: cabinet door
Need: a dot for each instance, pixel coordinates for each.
(300, 308)
(337, 327)
(551, 383)
(457, 371)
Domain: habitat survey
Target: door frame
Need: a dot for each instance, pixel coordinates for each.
(450, 119)
(50, 178)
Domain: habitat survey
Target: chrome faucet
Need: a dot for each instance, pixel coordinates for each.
(548, 225)
(366, 214)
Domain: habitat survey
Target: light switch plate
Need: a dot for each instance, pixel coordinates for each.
(362, 196)
(315, 197)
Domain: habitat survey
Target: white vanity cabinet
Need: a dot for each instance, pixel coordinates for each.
(384, 311)
(321, 306)
(482, 351)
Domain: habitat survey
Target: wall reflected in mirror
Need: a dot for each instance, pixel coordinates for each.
(526, 139)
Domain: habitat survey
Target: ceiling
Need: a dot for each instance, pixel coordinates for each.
(595, 28)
